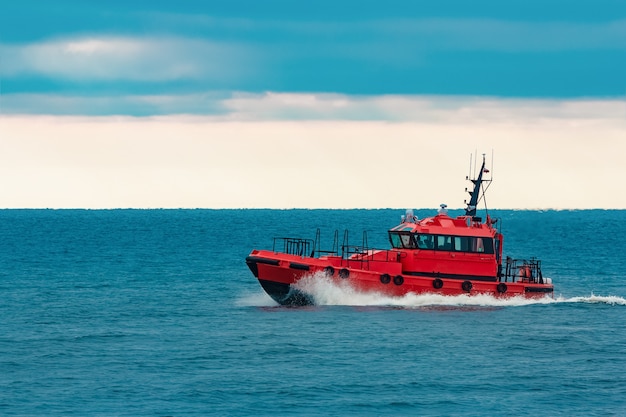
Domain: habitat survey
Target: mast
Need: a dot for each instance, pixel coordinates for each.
(475, 193)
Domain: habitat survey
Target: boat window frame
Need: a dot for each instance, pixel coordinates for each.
(401, 243)
(442, 243)
(425, 241)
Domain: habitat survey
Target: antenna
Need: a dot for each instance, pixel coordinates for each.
(478, 192)
(475, 161)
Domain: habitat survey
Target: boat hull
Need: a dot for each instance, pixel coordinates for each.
(278, 272)
(285, 294)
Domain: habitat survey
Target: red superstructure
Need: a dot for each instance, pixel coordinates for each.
(439, 254)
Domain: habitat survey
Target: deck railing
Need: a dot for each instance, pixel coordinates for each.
(522, 270)
(294, 246)
(349, 254)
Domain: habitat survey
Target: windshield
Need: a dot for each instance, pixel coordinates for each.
(472, 244)
(402, 240)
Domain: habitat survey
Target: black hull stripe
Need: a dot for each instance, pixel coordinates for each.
(258, 260)
(536, 289)
(302, 267)
(452, 276)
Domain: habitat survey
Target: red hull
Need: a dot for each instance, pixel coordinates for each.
(277, 272)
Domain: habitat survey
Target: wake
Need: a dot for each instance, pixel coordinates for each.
(326, 292)
(595, 299)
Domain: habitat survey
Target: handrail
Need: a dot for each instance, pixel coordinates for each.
(523, 270)
(295, 246)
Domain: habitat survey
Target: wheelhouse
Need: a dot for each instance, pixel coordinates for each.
(405, 239)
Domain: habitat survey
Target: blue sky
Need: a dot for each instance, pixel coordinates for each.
(164, 57)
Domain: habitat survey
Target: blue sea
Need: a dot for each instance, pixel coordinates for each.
(155, 313)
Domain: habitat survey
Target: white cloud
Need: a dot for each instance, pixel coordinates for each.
(326, 106)
(125, 58)
(548, 154)
(415, 108)
(133, 104)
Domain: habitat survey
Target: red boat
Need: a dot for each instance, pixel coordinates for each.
(439, 254)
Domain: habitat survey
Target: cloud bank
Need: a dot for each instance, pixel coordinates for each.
(548, 154)
(217, 105)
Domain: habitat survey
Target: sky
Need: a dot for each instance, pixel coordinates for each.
(325, 104)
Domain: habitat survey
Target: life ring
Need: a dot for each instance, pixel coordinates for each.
(467, 286)
(437, 283)
(329, 271)
(398, 280)
(385, 278)
(344, 273)
(502, 288)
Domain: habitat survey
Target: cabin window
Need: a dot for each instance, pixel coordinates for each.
(395, 240)
(489, 245)
(486, 245)
(461, 244)
(402, 240)
(407, 241)
(425, 241)
(481, 245)
(444, 243)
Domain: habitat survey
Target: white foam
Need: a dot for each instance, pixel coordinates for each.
(595, 299)
(325, 291)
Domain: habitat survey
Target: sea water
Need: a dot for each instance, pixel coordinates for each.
(155, 313)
